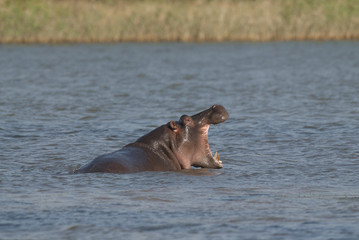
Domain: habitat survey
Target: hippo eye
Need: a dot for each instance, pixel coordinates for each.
(187, 120)
(214, 106)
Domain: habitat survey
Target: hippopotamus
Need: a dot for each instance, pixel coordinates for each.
(174, 146)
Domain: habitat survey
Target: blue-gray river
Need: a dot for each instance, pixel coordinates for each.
(290, 148)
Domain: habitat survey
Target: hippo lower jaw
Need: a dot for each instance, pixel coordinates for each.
(215, 160)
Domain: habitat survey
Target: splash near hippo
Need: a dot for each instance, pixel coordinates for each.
(173, 146)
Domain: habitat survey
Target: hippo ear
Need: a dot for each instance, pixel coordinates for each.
(173, 125)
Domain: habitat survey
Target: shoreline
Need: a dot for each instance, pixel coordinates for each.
(112, 21)
(87, 41)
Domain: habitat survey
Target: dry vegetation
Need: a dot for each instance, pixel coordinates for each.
(174, 20)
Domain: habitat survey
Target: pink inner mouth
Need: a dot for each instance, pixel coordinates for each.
(215, 157)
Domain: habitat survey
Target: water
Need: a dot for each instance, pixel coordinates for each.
(289, 149)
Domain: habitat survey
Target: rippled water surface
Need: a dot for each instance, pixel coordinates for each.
(290, 148)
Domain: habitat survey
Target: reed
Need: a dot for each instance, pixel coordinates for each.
(56, 21)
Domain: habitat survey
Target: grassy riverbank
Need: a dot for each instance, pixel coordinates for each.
(29, 21)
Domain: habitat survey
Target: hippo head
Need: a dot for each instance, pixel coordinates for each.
(190, 138)
(185, 142)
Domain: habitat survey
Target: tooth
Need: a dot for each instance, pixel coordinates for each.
(215, 156)
(219, 161)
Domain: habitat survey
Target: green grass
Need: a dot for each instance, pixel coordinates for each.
(47, 21)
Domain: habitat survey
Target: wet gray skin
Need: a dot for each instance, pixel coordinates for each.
(173, 146)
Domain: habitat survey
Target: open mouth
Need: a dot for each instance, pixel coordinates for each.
(215, 157)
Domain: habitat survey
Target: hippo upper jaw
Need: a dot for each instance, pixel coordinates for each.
(214, 115)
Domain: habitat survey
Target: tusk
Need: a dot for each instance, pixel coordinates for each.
(216, 156)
